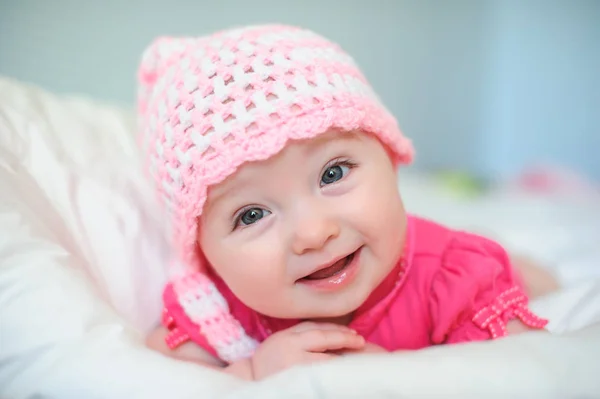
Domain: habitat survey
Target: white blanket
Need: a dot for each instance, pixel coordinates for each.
(82, 262)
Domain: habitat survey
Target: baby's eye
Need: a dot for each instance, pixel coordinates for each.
(250, 216)
(335, 172)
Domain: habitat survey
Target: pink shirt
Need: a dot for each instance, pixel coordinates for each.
(449, 286)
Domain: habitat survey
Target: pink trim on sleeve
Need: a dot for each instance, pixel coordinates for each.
(511, 304)
(176, 336)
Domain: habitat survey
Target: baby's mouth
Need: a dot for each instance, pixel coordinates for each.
(330, 271)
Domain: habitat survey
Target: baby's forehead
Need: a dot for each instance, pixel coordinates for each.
(292, 157)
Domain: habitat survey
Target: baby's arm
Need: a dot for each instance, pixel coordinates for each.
(537, 280)
(516, 326)
(189, 351)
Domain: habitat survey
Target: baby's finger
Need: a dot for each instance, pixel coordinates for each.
(310, 325)
(330, 340)
(367, 348)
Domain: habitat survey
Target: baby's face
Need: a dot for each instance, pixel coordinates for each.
(310, 232)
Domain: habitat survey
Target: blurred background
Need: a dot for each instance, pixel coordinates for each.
(490, 88)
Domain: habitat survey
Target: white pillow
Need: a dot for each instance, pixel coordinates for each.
(78, 230)
(82, 259)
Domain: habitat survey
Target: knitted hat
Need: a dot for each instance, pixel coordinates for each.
(208, 105)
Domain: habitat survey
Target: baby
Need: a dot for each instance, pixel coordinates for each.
(277, 165)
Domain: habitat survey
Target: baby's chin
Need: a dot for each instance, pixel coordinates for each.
(333, 306)
(320, 311)
(343, 317)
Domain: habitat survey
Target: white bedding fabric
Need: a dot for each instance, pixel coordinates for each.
(79, 228)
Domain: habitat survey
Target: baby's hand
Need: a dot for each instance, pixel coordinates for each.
(304, 343)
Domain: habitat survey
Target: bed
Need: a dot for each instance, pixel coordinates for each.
(79, 227)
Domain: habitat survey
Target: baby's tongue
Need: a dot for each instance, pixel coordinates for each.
(328, 271)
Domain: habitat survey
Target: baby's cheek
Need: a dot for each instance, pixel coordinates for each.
(253, 266)
(386, 219)
(383, 205)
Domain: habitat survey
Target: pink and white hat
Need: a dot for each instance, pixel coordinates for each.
(208, 105)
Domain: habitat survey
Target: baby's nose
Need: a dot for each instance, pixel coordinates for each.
(313, 232)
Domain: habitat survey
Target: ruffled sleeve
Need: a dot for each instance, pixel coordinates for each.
(194, 310)
(476, 292)
(181, 328)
